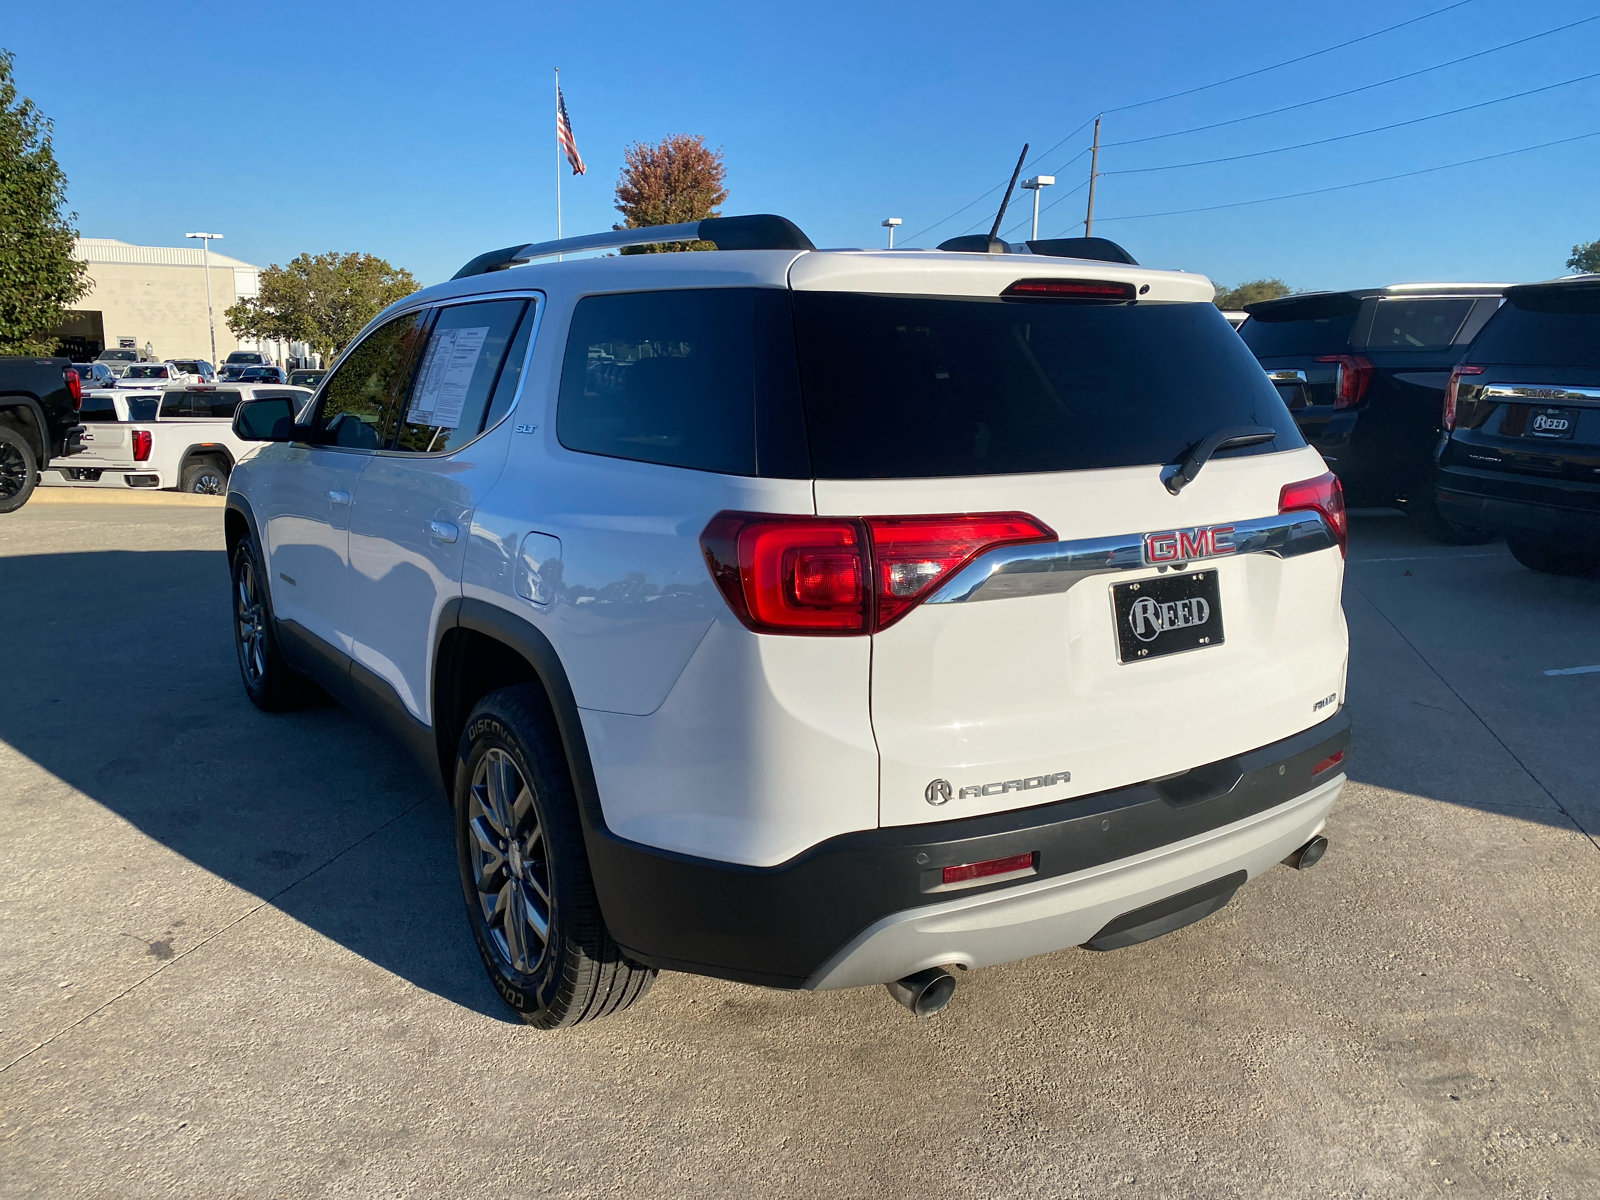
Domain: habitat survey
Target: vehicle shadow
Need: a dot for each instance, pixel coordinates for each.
(136, 702)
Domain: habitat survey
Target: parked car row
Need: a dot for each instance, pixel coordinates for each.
(1471, 406)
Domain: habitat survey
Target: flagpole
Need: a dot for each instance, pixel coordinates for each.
(558, 159)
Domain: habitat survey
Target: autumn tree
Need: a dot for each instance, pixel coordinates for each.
(1250, 293)
(1585, 258)
(323, 300)
(671, 183)
(39, 277)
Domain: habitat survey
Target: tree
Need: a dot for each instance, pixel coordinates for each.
(1585, 258)
(1248, 293)
(323, 300)
(674, 182)
(39, 277)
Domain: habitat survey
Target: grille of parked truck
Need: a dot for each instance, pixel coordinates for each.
(811, 619)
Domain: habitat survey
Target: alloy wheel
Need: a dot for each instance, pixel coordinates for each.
(13, 471)
(209, 484)
(510, 863)
(251, 623)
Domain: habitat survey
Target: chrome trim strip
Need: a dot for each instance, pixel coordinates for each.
(1043, 569)
(1287, 376)
(1542, 393)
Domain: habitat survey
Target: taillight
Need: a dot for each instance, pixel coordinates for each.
(141, 445)
(1322, 494)
(1350, 383)
(1448, 418)
(845, 575)
(75, 386)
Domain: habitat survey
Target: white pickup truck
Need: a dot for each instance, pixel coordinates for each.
(178, 438)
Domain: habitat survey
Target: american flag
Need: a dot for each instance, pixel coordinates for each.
(564, 134)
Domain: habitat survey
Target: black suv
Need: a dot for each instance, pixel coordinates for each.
(1364, 374)
(1521, 453)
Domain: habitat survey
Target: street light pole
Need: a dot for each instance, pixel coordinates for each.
(205, 256)
(1033, 185)
(889, 225)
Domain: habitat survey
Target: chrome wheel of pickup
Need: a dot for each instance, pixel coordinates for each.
(509, 863)
(250, 624)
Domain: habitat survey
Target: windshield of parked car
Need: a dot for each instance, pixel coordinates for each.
(926, 386)
(119, 356)
(147, 371)
(243, 356)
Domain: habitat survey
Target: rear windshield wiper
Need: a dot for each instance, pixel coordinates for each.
(1223, 439)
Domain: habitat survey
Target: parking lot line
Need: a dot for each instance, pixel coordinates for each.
(1575, 670)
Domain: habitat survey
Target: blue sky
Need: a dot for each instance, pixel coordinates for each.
(423, 133)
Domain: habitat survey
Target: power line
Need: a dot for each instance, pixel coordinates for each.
(1206, 162)
(1028, 220)
(1366, 87)
(1138, 104)
(1288, 62)
(1339, 187)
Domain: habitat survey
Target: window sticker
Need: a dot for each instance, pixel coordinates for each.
(446, 375)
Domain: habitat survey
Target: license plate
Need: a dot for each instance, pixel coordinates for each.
(1551, 423)
(1167, 615)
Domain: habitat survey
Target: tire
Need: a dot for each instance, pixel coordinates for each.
(1423, 509)
(523, 864)
(19, 470)
(269, 681)
(1552, 560)
(206, 477)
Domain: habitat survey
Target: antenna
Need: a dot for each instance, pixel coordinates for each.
(1000, 216)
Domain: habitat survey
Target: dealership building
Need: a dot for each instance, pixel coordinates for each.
(153, 299)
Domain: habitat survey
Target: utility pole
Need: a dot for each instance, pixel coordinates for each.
(1094, 173)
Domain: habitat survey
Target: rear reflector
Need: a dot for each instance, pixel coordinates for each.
(1333, 760)
(1101, 290)
(985, 870)
(1322, 494)
(846, 575)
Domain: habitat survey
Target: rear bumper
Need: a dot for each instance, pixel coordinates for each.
(858, 908)
(1550, 509)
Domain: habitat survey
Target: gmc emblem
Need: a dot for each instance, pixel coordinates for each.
(1186, 545)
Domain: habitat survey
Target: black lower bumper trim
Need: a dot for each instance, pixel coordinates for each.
(1164, 916)
(777, 925)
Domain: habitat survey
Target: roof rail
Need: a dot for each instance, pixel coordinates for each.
(758, 231)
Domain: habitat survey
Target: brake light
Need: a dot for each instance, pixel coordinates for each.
(845, 575)
(1448, 419)
(1327, 764)
(1070, 289)
(1350, 384)
(1322, 494)
(75, 386)
(141, 445)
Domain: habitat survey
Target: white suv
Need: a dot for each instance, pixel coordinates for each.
(811, 618)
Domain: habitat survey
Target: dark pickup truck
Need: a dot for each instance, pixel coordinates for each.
(39, 401)
(1364, 372)
(1521, 449)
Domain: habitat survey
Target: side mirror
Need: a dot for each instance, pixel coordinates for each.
(267, 419)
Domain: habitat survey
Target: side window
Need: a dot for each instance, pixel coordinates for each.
(97, 408)
(665, 377)
(356, 408)
(459, 371)
(1417, 324)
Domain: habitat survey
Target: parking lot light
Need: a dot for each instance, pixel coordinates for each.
(889, 225)
(205, 255)
(1033, 185)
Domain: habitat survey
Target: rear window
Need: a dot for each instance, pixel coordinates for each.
(97, 408)
(1301, 328)
(199, 404)
(1546, 327)
(146, 372)
(920, 387)
(1402, 324)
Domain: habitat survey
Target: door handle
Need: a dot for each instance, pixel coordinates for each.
(443, 530)
(338, 497)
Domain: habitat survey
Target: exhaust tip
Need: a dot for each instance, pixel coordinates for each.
(1308, 855)
(924, 993)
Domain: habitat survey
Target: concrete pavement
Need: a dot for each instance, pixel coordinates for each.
(235, 962)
